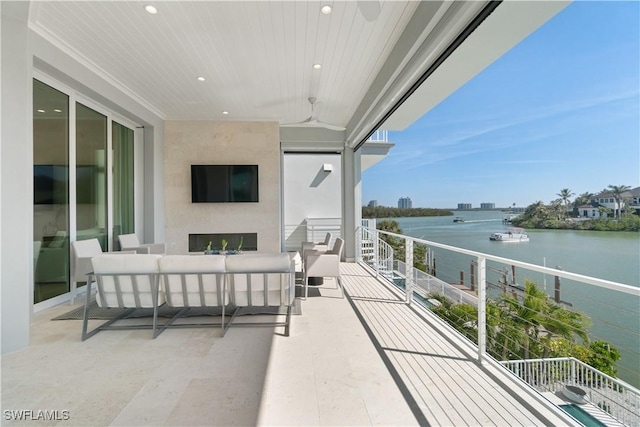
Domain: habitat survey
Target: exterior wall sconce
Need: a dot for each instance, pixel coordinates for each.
(327, 167)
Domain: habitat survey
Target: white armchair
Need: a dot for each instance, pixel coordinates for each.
(316, 246)
(130, 242)
(323, 264)
(81, 253)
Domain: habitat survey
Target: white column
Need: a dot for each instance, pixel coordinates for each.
(351, 200)
(16, 180)
(153, 231)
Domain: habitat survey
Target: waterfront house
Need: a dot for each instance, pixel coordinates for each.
(107, 105)
(589, 211)
(630, 199)
(634, 200)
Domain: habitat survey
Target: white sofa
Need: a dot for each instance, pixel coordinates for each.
(231, 282)
(127, 282)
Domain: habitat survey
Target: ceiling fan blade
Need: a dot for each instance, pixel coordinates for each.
(313, 121)
(319, 124)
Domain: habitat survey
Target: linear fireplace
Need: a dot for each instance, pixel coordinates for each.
(199, 242)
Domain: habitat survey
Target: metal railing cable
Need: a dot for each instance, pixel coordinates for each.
(512, 317)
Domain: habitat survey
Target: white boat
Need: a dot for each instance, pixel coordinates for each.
(510, 236)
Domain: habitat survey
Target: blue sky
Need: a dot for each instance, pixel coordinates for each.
(560, 110)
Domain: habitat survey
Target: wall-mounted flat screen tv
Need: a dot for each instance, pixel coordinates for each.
(224, 183)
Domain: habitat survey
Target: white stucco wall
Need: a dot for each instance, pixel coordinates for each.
(310, 192)
(16, 180)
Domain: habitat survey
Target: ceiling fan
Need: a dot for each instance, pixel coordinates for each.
(312, 121)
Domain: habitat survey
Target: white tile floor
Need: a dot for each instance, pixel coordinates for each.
(330, 371)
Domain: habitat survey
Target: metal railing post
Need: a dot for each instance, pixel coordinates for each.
(482, 308)
(376, 248)
(408, 281)
(359, 231)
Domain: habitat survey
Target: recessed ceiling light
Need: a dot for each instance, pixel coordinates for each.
(201, 79)
(150, 9)
(41, 111)
(225, 112)
(57, 110)
(326, 9)
(317, 66)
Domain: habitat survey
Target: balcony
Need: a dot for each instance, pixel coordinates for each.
(376, 357)
(608, 400)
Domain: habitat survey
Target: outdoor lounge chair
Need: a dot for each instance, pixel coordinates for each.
(316, 246)
(130, 242)
(323, 264)
(81, 253)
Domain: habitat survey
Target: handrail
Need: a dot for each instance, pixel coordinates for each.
(628, 289)
(609, 387)
(619, 399)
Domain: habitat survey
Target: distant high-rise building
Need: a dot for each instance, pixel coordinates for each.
(373, 203)
(405, 203)
(487, 205)
(464, 206)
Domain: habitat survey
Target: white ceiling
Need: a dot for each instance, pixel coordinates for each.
(256, 56)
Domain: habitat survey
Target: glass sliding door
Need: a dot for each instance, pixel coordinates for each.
(123, 182)
(50, 192)
(83, 182)
(91, 175)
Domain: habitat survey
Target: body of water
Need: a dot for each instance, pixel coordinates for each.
(611, 256)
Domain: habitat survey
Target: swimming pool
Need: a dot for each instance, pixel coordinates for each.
(581, 415)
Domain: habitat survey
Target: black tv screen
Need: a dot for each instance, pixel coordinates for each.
(224, 183)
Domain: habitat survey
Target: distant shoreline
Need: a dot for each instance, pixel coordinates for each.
(390, 212)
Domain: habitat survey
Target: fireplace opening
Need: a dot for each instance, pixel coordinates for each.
(199, 242)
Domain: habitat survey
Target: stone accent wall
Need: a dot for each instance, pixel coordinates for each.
(212, 142)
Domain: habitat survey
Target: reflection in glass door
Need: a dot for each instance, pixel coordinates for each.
(53, 183)
(50, 192)
(91, 175)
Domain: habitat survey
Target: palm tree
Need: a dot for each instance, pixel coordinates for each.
(617, 191)
(527, 316)
(582, 199)
(537, 211)
(398, 246)
(565, 194)
(560, 322)
(558, 209)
